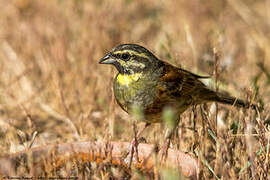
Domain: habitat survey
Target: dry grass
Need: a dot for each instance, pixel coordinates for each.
(51, 83)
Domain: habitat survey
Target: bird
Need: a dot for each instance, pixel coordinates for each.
(148, 85)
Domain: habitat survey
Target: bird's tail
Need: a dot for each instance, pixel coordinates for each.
(227, 99)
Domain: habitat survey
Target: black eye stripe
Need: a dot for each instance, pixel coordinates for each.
(117, 55)
(124, 56)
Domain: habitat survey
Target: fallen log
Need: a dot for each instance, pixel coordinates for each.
(111, 152)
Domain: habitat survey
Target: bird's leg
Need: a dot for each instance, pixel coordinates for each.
(165, 148)
(171, 120)
(134, 143)
(142, 129)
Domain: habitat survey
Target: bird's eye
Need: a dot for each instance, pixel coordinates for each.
(125, 56)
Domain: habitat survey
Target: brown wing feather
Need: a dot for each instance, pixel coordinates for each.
(191, 86)
(186, 83)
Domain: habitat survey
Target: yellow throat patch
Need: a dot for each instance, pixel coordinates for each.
(126, 79)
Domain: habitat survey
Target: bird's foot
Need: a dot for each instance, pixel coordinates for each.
(133, 150)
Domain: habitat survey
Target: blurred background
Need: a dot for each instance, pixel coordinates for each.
(52, 87)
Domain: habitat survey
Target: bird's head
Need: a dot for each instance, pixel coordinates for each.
(130, 59)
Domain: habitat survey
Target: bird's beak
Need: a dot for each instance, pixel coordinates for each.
(107, 59)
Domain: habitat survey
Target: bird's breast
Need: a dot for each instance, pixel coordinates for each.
(135, 89)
